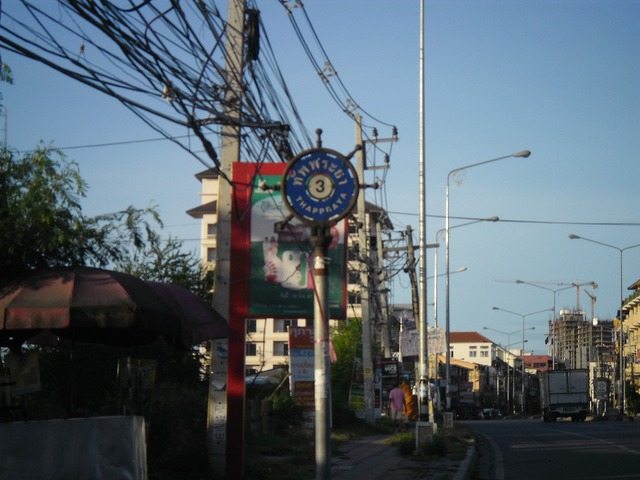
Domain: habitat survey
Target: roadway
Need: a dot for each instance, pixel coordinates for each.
(532, 450)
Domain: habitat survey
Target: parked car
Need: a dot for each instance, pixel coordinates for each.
(489, 414)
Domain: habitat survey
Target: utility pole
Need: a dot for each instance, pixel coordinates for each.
(363, 257)
(225, 440)
(411, 260)
(382, 292)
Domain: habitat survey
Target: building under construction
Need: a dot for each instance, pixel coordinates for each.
(575, 342)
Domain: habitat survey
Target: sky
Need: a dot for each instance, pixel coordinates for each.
(560, 78)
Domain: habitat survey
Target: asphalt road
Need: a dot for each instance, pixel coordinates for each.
(535, 450)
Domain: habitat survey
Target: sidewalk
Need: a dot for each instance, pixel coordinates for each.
(374, 458)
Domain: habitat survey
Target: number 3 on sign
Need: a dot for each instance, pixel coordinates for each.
(320, 186)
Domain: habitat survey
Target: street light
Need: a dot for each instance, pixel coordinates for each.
(458, 270)
(621, 388)
(523, 316)
(510, 395)
(521, 154)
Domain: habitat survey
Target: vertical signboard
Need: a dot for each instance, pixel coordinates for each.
(302, 367)
(280, 252)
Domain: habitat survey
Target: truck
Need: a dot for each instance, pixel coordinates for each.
(564, 393)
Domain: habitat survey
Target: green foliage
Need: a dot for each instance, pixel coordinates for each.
(406, 443)
(166, 261)
(41, 220)
(346, 339)
(632, 398)
(6, 77)
(42, 226)
(5, 73)
(286, 413)
(451, 443)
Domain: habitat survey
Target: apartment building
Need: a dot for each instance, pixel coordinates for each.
(576, 342)
(631, 325)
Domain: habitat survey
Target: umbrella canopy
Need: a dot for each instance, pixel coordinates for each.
(90, 305)
(198, 319)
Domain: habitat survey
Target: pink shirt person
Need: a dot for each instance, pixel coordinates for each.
(396, 400)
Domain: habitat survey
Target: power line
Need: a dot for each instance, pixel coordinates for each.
(541, 222)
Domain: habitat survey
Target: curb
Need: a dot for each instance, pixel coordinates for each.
(466, 466)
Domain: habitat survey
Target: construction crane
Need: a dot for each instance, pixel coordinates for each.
(593, 303)
(539, 284)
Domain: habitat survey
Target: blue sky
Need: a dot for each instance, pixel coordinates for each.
(559, 78)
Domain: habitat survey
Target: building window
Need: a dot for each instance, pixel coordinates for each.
(280, 349)
(252, 349)
(473, 353)
(252, 325)
(211, 254)
(281, 325)
(484, 353)
(212, 230)
(353, 299)
(353, 276)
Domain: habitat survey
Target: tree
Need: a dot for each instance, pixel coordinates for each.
(5, 76)
(166, 261)
(346, 341)
(41, 219)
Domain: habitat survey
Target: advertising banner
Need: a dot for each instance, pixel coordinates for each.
(301, 366)
(410, 341)
(281, 250)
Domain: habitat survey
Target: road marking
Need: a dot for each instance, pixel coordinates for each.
(498, 458)
(613, 444)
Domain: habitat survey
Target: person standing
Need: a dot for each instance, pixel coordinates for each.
(397, 405)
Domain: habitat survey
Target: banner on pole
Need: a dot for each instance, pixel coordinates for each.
(302, 366)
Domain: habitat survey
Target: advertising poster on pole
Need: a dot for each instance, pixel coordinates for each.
(302, 367)
(280, 258)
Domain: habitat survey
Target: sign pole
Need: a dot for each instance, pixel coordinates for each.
(322, 376)
(320, 187)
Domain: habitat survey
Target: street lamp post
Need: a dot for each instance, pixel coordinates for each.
(508, 334)
(521, 154)
(523, 316)
(621, 388)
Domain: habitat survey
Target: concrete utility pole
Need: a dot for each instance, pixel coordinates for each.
(363, 241)
(363, 257)
(411, 260)
(382, 293)
(220, 443)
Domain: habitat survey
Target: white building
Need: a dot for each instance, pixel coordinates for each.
(473, 347)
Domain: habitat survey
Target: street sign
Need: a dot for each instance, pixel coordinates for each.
(320, 187)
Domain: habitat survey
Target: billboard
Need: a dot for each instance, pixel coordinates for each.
(280, 250)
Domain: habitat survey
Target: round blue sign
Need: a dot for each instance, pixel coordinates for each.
(320, 186)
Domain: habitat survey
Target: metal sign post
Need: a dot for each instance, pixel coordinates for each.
(320, 187)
